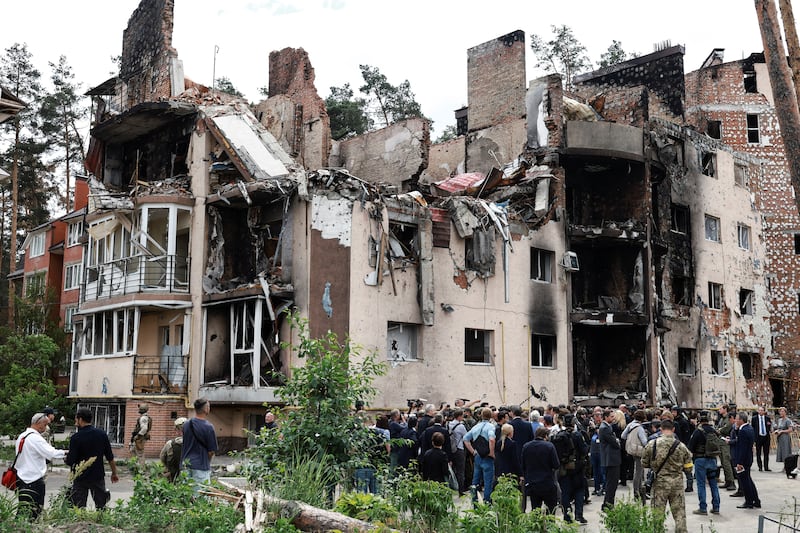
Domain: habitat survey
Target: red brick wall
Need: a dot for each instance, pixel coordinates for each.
(161, 412)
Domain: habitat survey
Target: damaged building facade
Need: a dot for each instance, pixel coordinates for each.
(565, 247)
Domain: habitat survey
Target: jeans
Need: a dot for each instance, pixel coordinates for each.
(638, 475)
(199, 477)
(80, 493)
(705, 469)
(365, 480)
(31, 498)
(484, 467)
(598, 472)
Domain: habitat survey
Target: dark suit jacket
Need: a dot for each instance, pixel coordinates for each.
(523, 434)
(767, 422)
(610, 451)
(742, 450)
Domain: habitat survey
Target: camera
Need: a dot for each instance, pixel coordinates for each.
(415, 402)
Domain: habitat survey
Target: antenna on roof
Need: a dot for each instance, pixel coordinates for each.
(214, 70)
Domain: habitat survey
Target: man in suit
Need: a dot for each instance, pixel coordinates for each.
(742, 451)
(611, 457)
(762, 426)
(523, 434)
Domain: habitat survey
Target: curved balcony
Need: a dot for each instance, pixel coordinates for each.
(136, 274)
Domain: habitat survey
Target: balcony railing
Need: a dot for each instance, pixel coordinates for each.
(161, 374)
(140, 273)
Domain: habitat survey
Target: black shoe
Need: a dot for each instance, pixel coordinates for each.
(623, 484)
(759, 469)
(767, 470)
(714, 511)
(581, 520)
(688, 489)
(587, 501)
(757, 505)
(737, 494)
(744, 506)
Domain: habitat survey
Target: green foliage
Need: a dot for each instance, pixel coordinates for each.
(225, 85)
(628, 515)
(448, 134)
(562, 54)
(348, 114)
(282, 525)
(369, 507)
(393, 103)
(8, 512)
(429, 502)
(615, 54)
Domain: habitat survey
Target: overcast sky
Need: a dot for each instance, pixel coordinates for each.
(425, 42)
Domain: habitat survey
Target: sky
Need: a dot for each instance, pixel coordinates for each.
(425, 42)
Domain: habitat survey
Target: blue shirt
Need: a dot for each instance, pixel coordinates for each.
(481, 428)
(199, 438)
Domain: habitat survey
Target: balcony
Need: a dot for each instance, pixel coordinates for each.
(161, 374)
(137, 274)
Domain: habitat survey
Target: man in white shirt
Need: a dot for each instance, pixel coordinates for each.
(32, 466)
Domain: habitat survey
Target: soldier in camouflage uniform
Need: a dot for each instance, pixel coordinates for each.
(724, 426)
(668, 486)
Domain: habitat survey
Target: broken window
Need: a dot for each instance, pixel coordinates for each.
(741, 176)
(74, 233)
(681, 290)
(679, 215)
(712, 228)
(403, 242)
(109, 418)
(750, 366)
(743, 232)
(686, 364)
(543, 348)
(708, 163)
(719, 365)
(714, 295)
(753, 136)
(542, 265)
(714, 129)
(746, 301)
(750, 85)
(477, 346)
(110, 332)
(401, 341)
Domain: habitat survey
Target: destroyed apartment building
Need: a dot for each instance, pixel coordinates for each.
(581, 246)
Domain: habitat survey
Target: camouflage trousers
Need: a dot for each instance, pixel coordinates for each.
(668, 489)
(725, 459)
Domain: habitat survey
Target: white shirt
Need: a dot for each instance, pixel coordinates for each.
(32, 462)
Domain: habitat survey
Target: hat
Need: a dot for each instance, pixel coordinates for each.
(49, 411)
(180, 421)
(143, 408)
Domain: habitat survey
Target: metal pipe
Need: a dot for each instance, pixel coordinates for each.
(503, 357)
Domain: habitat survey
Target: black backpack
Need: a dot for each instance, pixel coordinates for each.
(565, 449)
(713, 442)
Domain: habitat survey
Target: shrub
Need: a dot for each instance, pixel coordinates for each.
(429, 502)
(627, 515)
(367, 507)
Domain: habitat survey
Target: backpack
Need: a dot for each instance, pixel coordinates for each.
(481, 444)
(453, 443)
(565, 449)
(713, 442)
(633, 446)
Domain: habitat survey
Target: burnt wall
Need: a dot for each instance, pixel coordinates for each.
(608, 358)
(661, 73)
(147, 52)
(603, 189)
(496, 84)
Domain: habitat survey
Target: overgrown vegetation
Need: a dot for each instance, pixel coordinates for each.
(628, 515)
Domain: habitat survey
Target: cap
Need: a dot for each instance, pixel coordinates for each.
(180, 421)
(49, 411)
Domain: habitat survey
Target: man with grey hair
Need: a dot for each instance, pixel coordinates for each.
(742, 452)
(426, 419)
(33, 452)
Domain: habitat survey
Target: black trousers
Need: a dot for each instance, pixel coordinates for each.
(547, 495)
(31, 498)
(612, 480)
(80, 493)
(748, 488)
(762, 447)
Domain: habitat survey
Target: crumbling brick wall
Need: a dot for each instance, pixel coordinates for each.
(291, 74)
(147, 53)
(496, 81)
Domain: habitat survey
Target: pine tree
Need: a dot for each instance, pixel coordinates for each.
(393, 103)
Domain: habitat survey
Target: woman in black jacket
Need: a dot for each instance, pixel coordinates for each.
(506, 460)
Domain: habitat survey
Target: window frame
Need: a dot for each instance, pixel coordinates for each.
(746, 301)
(741, 176)
(719, 359)
(711, 218)
(687, 364)
(708, 164)
(753, 132)
(678, 213)
(36, 245)
(539, 257)
(488, 337)
(413, 345)
(75, 279)
(74, 232)
(538, 349)
(715, 296)
(69, 312)
(744, 230)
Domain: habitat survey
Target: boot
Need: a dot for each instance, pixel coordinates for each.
(689, 487)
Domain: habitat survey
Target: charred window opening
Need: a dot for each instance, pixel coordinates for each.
(741, 176)
(750, 84)
(719, 366)
(712, 228)
(402, 341)
(601, 191)
(753, 135)
(609, 358)
(610, 278)
(686, 361)
(679, 218)
(778, 391)
(478, 346)
(708, 163)
(746, 301)
(714, 295)
(543, 349)
(403, 243)
(681, 290)
(542, 265)
(714, 129)
(743, 234)
(751, 364)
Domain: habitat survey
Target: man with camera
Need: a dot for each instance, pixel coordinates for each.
(704, 445)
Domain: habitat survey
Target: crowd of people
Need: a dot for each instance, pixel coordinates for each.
(562, 456)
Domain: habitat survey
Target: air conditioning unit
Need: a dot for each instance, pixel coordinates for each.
(570, 262)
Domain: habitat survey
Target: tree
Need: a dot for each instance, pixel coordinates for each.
(22, 78)
(348, 114)
(448, 134)
(392, 103)
(563, 54)
(61, 112)
(615, 54)
(223, 84)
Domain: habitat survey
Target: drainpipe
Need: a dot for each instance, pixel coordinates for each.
(528, 364)
(503, 357)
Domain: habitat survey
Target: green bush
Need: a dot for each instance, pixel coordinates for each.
(429, 502)
(367, 507)
(628, 515)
